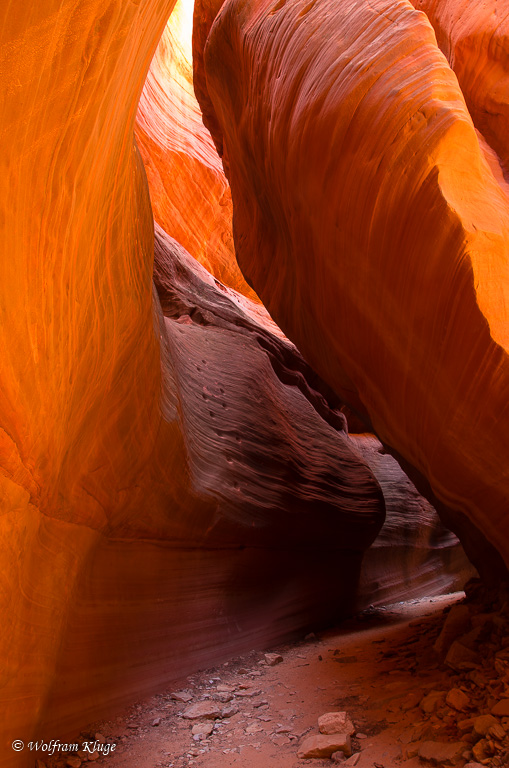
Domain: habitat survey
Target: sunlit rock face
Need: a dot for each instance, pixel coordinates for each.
(189, 192)
(370, 222)
(474, 38)
(172, 489)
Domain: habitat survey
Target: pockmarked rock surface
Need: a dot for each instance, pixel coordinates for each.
(384, 258)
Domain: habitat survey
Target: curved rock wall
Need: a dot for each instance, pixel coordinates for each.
(372, 226)
(189, 193)
(414, 554)
(140, 505)
(474, 38)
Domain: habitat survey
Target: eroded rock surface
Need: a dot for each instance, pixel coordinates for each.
(382, 252)
(189, 193)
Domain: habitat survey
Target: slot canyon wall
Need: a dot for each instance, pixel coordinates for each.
(371, 216)
(176, 482)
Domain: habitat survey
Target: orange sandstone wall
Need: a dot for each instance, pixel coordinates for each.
(370, 222)
(78, 414)
(162, 477)
(474, 38)
(189, 192)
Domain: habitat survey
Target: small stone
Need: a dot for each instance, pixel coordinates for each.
(466, 725)
(457, 699)
(474, 765)
(247, 694)
(431, 702)
(460, 658)
(182, 696)
(439, 752)
(224, 698)
(93, 756)
(156, 721)
(254, 728)
(272, 659)
(310, 636)
(73, 762)
(338, 757)
(481, 750)
(501, 708)
(336, 722)
(224, 688)
(202, 709)
(497, 732)
(456, 624)
(229, 711)
(325, 746)
(100, 738)
(202, 729)
(410, 701)
(283, 729)
(361, 736)
(353, 760)
(483, 723)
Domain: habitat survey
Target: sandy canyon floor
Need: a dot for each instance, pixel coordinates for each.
(380, 668)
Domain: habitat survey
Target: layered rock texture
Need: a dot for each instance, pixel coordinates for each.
(189, 192)
(171, 488)
(176, 482)
(372, 219)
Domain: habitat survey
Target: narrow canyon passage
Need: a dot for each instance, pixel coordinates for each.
(393, 675)
(254, 307)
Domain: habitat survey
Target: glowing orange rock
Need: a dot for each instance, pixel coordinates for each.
(189, 192)
(473, 37)
(160, 477)
(370, 223)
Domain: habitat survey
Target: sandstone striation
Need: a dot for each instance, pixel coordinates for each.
(473, 38)
(414, 554)
(189, 193)
(370, 222)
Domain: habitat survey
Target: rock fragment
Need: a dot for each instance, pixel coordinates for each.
(229, 711)
(457, 699)
(202, 709)
(432, 701)
(202, 730)
(483, 723)
(325, 746)
(440, 753)
(336, 722)
(455, 625)
(459, 657)
(501, 708)
(182, 696)
(272, 659)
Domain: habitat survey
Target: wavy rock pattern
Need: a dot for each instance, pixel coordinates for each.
(372, 226)
(189, 192)
(142, 527)
(414, 554)
(474, 38)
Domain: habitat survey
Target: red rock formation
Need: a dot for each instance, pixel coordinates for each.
(370, 223)
(414, 554)
(189, 192)
(474, 39)
(148, 520)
